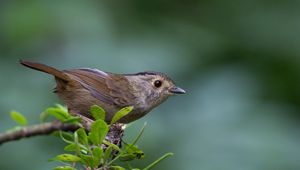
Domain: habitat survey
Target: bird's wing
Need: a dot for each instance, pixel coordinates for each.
(121, 91)
(109, 88)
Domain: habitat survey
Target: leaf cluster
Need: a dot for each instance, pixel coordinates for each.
(91, 150)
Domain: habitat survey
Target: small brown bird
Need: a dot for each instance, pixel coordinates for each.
(81, 88)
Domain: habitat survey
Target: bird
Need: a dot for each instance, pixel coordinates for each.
(81, 88)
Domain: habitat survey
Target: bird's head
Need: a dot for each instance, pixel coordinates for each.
(154, 87)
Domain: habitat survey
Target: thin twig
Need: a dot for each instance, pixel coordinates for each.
(35, 130)
(114, 135)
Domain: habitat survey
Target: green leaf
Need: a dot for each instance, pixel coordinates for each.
(88, 160)
(64, 168)
(158, 160)
(127, 157)
(115, 147)
(82, 136)
(133, 149)
(44, 116)
(74, 148)
(58, 113)
(97, 112)
(71, 147)
(98, 132)
(72, 119)
(66, 158)
(97, 153)
(133, 152)
(18, 117)
(62, 115)
(61, 107)
(121, 113)
(116, 168)
(107, 153)
(65, 136)
(76, 141)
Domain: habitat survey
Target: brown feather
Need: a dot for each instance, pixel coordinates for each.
(107, 88)
(47, 69)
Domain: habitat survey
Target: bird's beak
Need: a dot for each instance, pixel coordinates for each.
(177, 90)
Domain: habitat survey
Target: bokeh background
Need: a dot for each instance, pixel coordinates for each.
(237, 60)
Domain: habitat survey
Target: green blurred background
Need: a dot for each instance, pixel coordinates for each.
(237, 60)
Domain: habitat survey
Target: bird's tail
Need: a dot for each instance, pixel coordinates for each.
(47, 69)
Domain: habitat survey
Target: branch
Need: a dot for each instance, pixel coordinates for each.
(114, 135)
(35, 130)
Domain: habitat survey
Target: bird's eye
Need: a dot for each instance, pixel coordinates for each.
(157, 83)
